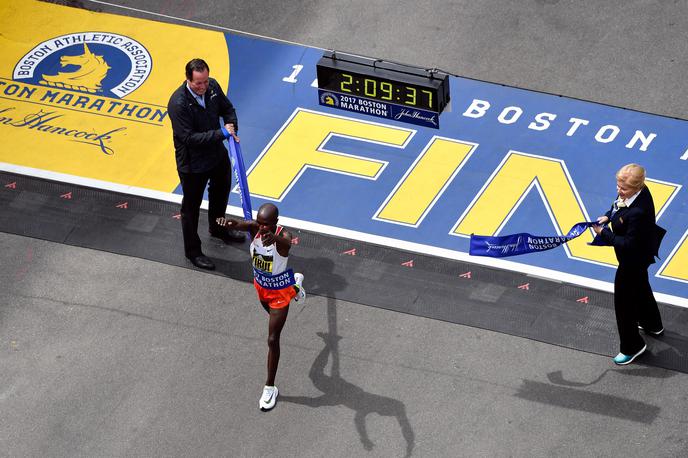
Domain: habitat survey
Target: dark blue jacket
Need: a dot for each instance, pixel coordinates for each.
(196, 130)
(634, 235)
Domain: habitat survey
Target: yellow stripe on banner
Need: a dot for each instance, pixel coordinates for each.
(85, 94)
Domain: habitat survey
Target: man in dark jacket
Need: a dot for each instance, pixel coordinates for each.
(636, 238)
(195, 109)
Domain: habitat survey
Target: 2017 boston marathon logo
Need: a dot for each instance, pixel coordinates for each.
(88, 72)
(329, 99)
(378, 108)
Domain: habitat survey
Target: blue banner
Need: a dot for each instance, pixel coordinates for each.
(522, 243)
(240, 177)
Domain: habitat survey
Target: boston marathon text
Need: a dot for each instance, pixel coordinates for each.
(543, 121)
(135, 111)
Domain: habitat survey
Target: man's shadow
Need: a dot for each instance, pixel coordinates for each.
(337, 391)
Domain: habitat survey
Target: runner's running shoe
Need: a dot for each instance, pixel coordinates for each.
(268, 399)
(300, 290)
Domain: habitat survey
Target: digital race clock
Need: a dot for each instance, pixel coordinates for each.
(382, 88)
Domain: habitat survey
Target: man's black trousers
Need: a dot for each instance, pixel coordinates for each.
(219, 181)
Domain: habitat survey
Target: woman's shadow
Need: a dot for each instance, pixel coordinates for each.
(337, 391)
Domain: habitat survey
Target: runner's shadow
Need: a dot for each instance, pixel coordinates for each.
(337, 391)
(323, 281)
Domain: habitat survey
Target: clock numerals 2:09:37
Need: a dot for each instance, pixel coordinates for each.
(385, 91)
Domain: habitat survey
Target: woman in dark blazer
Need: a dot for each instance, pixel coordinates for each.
(635, 237)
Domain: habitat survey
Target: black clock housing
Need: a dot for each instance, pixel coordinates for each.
(384, 81)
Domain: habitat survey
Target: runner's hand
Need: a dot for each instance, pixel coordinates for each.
(267, 237)
(224, 222)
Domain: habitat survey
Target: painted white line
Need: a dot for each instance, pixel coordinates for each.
(90, 182)
(345, 233)
(465, 257)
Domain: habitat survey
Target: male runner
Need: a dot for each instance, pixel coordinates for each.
(276, 285)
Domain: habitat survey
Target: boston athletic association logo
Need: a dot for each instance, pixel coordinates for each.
(330, 99)
(98, 63)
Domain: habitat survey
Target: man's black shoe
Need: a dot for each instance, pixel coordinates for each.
(659, 333)
(202, 262)
(228, 235)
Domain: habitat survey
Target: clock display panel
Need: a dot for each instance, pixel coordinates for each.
(406, 88)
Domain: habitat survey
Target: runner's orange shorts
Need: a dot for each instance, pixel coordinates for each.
(275, 298)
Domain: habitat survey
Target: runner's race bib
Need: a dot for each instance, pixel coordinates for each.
(279, 281)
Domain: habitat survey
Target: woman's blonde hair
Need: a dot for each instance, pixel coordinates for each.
(633, 175)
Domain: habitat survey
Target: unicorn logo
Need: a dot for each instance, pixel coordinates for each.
(102, 63)
(92, 70)
(329, 99)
